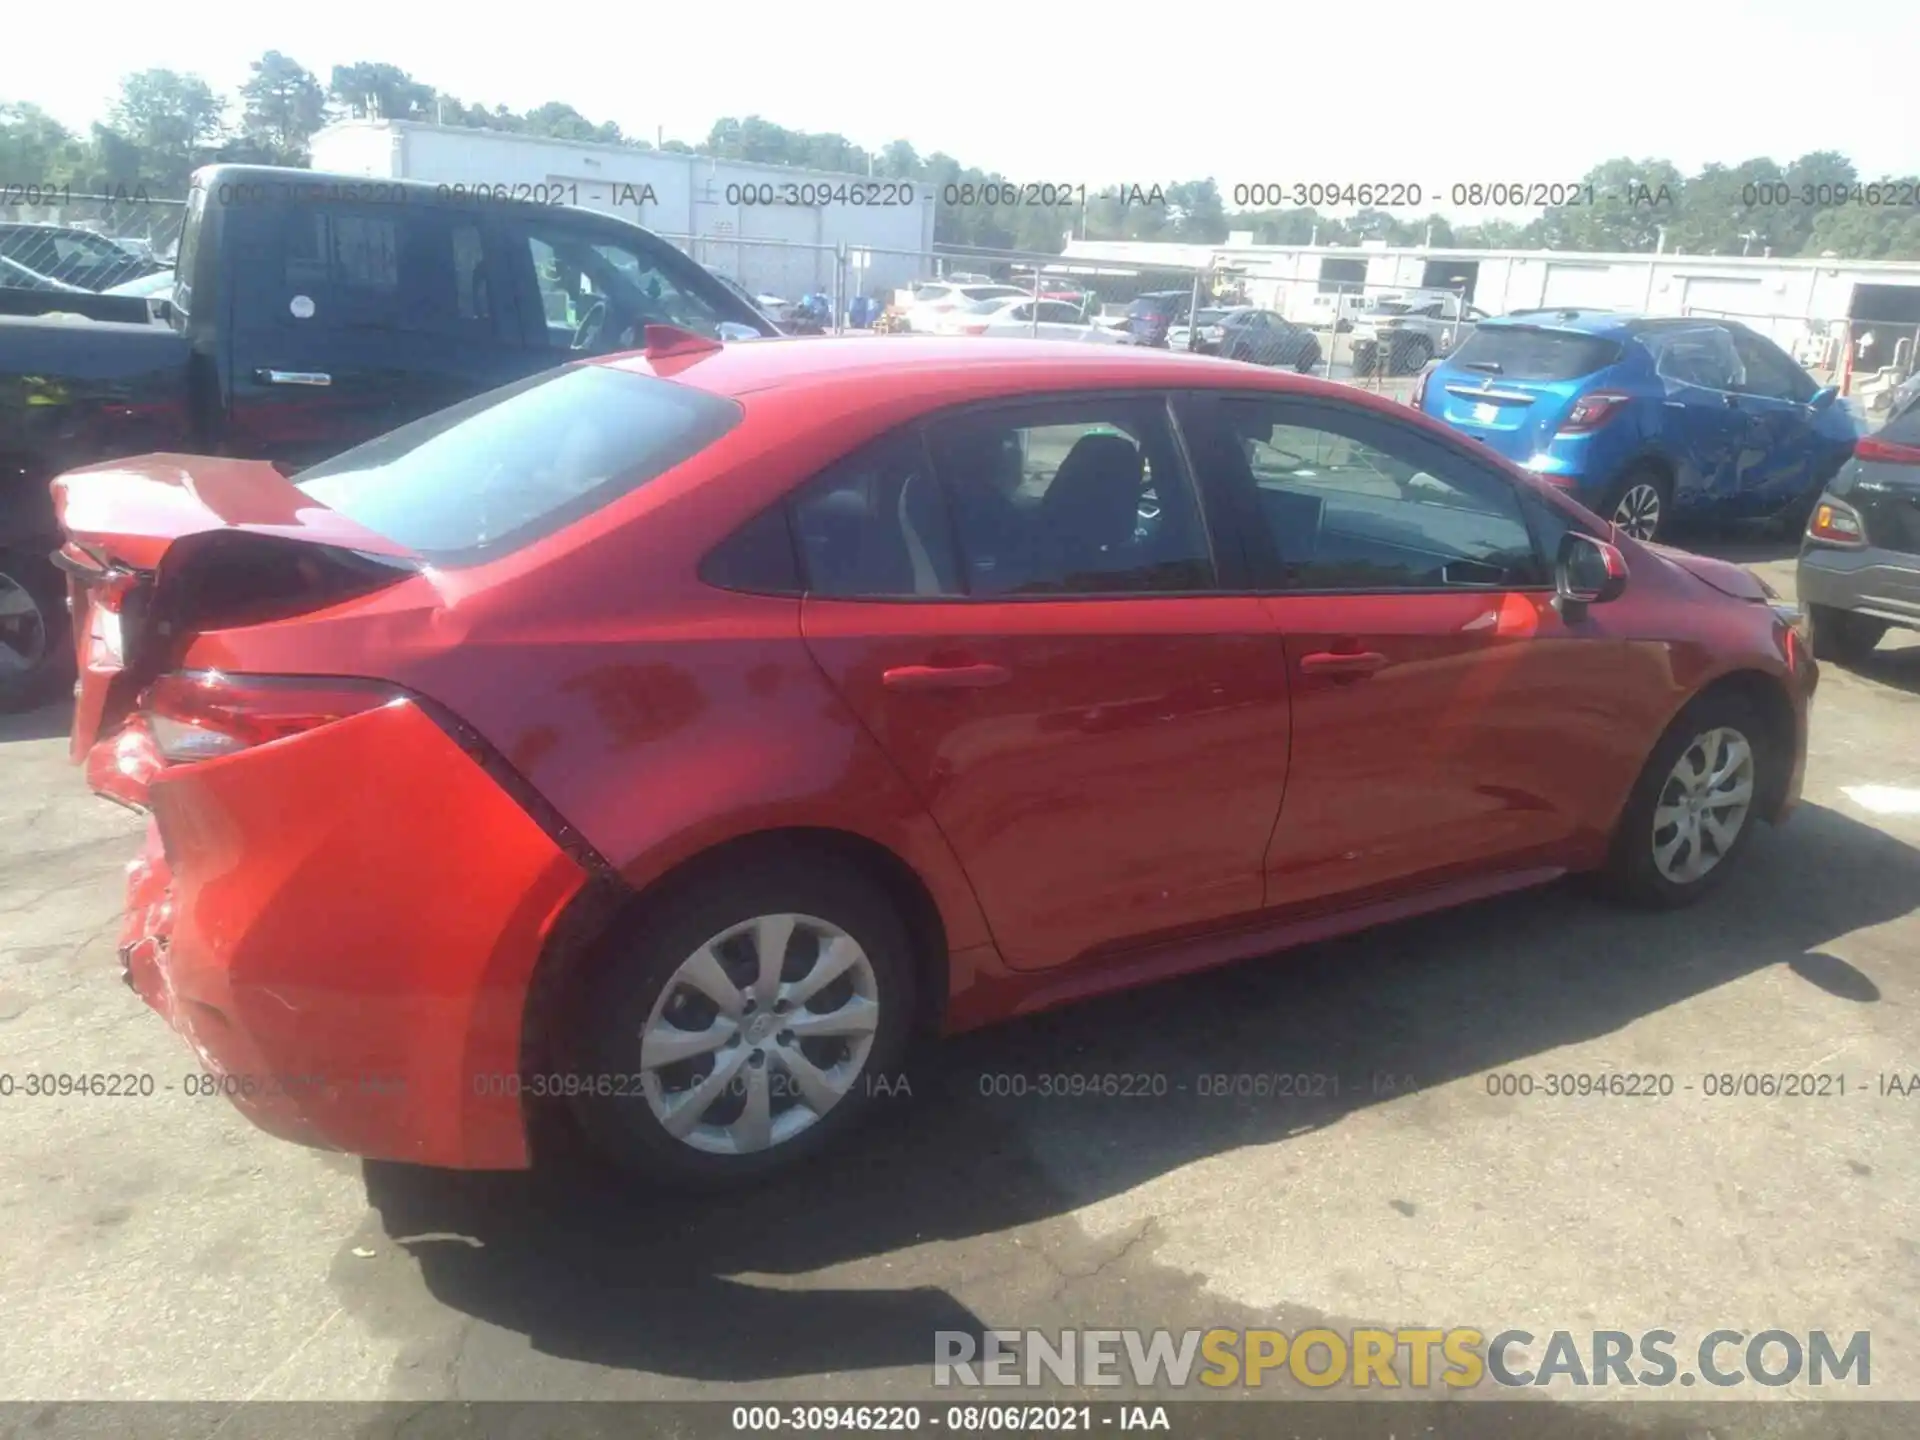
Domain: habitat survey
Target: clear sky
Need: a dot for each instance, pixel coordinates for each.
(1381, 90)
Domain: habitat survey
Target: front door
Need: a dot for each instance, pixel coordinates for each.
(1440, 706)
(1022, 610)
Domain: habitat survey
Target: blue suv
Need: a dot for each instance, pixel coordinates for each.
(1647, 421)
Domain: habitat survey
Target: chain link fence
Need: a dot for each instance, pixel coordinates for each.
(54, 240)
(1865, 359)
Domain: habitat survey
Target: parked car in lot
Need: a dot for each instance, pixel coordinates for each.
(457, 805)
(935, 303)
(1151, 316)
(160, 283)
(1244, 332)
(1015, 318)
(310, 312)
(1402, 332)
(1647, 421)
(72, 256)
(15, 276)
(1859, 571)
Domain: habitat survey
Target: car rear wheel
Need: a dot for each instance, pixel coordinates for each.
(1693, 808)
(1413, 355)
(1638, 503)
(1841, 635)
(744, 1023)
(36, 659)
(1309, 361)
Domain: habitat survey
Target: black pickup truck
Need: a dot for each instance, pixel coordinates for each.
(309, 312)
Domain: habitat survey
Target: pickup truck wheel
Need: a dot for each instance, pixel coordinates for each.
(1413, 356)
(35, 658)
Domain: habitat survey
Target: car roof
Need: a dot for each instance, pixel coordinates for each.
(934, 369)
(1579, 319)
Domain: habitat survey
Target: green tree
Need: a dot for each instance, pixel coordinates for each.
(282, 105)
(173, 119)
(376, 91)
(1633, 201)
(35, 148)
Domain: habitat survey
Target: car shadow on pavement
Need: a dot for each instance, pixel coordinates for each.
(844, 1266)
(42, 723)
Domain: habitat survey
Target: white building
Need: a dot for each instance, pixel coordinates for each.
(773, 228)
(1804, 304)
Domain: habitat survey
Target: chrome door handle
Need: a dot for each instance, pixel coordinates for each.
(293, 377)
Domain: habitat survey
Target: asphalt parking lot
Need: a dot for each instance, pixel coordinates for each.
(160, 1248)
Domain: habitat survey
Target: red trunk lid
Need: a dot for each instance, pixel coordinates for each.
(140, 533)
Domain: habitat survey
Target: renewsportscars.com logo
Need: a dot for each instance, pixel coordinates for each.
(1458, 1359)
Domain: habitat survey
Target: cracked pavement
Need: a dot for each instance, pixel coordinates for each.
(160, 1248)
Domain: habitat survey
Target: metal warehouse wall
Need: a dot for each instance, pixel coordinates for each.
(689, 196)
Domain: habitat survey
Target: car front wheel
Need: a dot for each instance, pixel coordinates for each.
(744, 1023)
(1694, 806)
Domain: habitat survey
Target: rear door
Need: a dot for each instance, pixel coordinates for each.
(1023, 609)
(1512, 386)
(350, 319)
(1439, 700)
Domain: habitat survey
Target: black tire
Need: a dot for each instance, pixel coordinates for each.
(1842, 636)
(639, 960)
(1625, 502)
(1631, 875)
(1412, 356)
(1309, 360)
(38, 666)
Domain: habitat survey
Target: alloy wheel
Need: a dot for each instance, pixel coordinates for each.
(759, 1033)
(1703, 805)
(1638, 512)
(23, 628)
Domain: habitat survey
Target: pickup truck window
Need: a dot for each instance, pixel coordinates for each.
(375, 267)
(597, 295)
(498, 471)
(189, 250)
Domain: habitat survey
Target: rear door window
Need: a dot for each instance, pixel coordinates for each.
(492, 474)
(1074, 497)
(1519, 352)
(1703, 358)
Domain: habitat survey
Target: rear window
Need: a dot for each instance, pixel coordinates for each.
(499, 471)
(1151, 305)
(1210, 317)
(1520, 353)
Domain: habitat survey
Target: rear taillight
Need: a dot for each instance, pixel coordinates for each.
(973, 329)
(1886, 452)
(1590, 412)
(1836, 523)
(203, 714)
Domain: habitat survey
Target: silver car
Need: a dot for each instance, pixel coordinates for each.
(1859, 570)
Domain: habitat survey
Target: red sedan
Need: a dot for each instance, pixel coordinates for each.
(684, 735)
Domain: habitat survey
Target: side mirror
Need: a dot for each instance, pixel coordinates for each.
(1824, 397)
(728, 330)
(1588, 572)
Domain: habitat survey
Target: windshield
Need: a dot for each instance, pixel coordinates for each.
(1393, 307)
(1152, 305)
(989, 305)
(1522, 353)
(501, 470)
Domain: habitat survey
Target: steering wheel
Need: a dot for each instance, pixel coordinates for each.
(590, 326)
